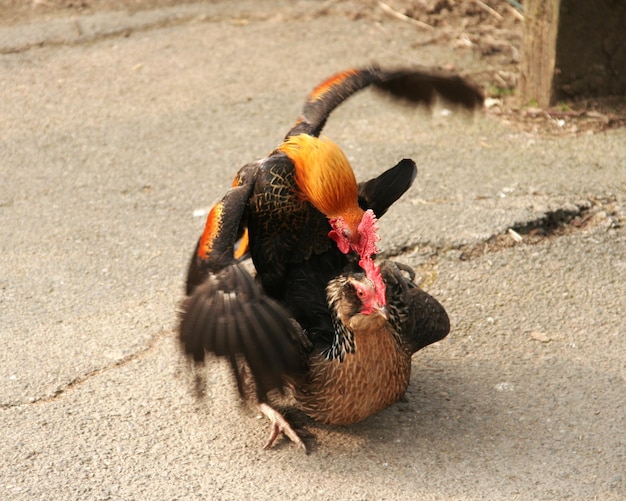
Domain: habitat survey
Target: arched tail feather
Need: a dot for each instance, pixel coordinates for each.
(418, 85)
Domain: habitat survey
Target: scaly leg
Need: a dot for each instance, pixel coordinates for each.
(280, 425)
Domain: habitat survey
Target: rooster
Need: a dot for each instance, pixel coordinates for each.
(282, 204)
(322, 318)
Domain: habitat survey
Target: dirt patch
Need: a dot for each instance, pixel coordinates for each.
(568, 118)
(494, 29)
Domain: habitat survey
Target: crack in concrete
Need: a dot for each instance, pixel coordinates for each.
(566, 220)
(85, 30)
(76, 30)
(82, 378)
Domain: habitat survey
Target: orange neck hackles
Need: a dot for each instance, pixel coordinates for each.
(324, 176)
(326, 180)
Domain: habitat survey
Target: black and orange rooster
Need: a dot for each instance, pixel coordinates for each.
(322, 317)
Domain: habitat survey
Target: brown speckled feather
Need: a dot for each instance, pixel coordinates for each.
(370, 379)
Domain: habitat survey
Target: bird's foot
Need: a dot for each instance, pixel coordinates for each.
(280, 425)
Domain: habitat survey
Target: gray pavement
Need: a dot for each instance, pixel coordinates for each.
(113, 144)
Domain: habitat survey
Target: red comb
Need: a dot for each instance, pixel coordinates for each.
(368, 235)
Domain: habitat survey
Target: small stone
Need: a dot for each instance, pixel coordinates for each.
(540, 336)
(504, 386)
(515, 235)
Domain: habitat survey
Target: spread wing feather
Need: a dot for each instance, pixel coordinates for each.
(229, 316)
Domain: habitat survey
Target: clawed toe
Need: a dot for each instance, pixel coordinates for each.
(280, 425)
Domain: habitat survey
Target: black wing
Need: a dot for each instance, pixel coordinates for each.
(229, 316)
(225, 223)
(381, 192)
(417, 317)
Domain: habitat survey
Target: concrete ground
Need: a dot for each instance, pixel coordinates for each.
(118, 131)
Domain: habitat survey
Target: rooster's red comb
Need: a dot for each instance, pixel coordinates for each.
(368, 235)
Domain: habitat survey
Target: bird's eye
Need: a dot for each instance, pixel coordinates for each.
(360, 293)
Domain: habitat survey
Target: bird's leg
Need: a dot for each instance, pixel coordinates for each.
(280, 425)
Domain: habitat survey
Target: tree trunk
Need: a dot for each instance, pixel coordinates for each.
(572, 48)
